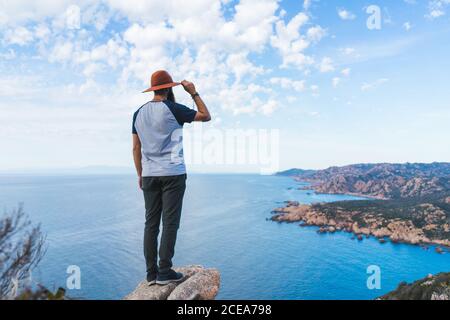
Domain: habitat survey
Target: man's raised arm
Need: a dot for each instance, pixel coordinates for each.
(202, 111)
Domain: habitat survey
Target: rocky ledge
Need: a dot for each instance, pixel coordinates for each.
(199, 284)
(431, 228)
(433, 287)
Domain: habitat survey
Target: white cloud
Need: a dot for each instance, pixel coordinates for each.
(202, 45)
(335, 81)
(90, 70)
(346, 72)
(437, 8)
(346, 15)
(112, 53)
(8, 55)
(19, 35)
(348, 51)
(407, 26)
(240, 65)
(287, 83)
(326, 65)
(290, 43)
(18, 11)
(315, 90)
(152, 35)
(436, 13)
(212, 42)
(307, 4)
(373, 85)
(316, 33)
(254, 20)
(269, 107)
(62, 52)
(42, 31)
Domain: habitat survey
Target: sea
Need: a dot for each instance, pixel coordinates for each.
(94, 224)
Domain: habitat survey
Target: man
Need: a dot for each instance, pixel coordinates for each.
(158, 157)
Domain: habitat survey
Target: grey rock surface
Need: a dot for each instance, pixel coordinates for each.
(199, 283)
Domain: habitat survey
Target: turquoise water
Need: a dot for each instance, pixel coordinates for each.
(96, 222)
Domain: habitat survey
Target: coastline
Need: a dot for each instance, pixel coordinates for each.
(353, 194)
(313, 187)
(396, 230)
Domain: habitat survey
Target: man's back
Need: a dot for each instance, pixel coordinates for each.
(159, 127)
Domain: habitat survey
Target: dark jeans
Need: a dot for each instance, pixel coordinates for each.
(163, 198)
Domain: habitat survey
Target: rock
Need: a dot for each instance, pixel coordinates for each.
(439, 250)
(432, 287)
(199, 283)
(145, 292)
(203, 285)
(292, 203)
(359, 237)
(431, 228)
(322, 230)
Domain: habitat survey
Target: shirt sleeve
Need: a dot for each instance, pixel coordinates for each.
(182, 113)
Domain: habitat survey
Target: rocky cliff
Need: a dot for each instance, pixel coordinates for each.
(199, 284)
(413, 203)
(435, 287)
(382, 181)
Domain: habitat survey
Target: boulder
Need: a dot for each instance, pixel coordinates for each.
(199, 283)
(439, 250)
(203, 285)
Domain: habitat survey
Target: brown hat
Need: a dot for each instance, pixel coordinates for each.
(161, 79)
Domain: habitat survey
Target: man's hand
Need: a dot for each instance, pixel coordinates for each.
(189, 87)
(140, 182)
(202, 110)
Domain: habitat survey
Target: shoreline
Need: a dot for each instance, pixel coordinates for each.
(397, 231)
(312, 187)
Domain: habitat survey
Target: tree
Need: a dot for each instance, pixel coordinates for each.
(21, 249)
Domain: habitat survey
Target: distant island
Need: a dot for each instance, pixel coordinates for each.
(410, 202)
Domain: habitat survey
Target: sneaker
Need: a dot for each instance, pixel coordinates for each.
(151, 279)
(169, 277)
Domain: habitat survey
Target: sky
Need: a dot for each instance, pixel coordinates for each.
(330, 82)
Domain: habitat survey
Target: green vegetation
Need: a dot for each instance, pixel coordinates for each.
(430, 288)
(42, 293)
(21, 249)
(420, 211)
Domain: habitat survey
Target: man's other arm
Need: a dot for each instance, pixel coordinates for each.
(137, 156)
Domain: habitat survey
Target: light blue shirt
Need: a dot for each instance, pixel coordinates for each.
(159, 126)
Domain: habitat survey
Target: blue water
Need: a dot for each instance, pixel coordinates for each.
(96, 222)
